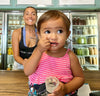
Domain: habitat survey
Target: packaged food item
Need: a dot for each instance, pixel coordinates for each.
(91, 51)
(80, 40)
(94, 40)
(95, 50)
(79, 51)
(93, 60)
(90, 60)
(83, 60)
(96, 60)
(86, 51)
(90, 40)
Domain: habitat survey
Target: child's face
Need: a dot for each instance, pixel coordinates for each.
(55, 31)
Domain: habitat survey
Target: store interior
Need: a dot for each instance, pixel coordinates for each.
(85, 44)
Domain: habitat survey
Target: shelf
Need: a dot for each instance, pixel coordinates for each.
(88, 35)
(84, 25)
(10, 55)
(88, 65)
(9, 44)
(87, 55)
(15, 25)
(81, 45)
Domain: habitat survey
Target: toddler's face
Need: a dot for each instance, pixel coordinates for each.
(55, 31)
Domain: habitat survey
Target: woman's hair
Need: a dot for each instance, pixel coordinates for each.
(53, 14)
(30, 7)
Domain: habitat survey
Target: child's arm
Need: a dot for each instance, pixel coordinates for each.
(77, 80)
(31, 64)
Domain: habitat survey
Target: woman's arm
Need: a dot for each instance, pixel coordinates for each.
(15, 45)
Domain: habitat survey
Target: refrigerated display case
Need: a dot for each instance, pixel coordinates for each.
(12, 22)
(85, 39)
(1, 39)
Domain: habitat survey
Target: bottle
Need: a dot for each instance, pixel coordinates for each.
(90, 60)
(91, 51)
(79, 59)
(87, 21)
(74, 20)
(94, 60)
(90, 30)
(0, 51)
(78, 20)
(91, 40)
(85, 30)
(91, 21)
(78, 30)
(82, 51)
(95, 20)
(94, 30)
(94, 40)
(83, 60)
(79, 51)
(85, 40)
(9, 51)
(87, 51)
(95, 51)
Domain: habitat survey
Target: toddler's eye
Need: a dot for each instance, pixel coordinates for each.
(59, 31)
(47, 32)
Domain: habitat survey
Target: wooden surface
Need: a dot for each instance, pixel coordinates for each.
(93, 78)
(15, 83)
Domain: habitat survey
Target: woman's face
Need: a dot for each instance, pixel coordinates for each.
(30, 16)
(55, 31)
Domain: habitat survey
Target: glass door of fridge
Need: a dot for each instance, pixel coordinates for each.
(13, 21)
(85, 39)
(1, 40)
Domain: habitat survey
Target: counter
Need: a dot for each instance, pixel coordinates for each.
(15, 83)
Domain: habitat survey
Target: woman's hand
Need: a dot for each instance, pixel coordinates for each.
(59, 91)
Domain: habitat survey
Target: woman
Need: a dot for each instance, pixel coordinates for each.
(24, 40)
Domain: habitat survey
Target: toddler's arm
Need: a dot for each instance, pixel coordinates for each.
(75, 83)
(32, 63)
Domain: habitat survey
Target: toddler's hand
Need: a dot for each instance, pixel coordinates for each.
(43, 44)
(59, 91)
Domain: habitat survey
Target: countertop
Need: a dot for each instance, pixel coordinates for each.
(15, 83)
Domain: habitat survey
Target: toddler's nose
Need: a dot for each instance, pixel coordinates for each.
(53, 36)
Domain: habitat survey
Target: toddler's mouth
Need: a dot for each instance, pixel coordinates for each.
(53, 43)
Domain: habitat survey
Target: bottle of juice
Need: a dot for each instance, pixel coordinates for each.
(9, 51)
(87, 21)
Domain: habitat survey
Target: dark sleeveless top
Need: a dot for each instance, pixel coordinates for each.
(24, 51)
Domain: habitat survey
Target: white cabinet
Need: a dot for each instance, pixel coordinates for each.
(85, 39)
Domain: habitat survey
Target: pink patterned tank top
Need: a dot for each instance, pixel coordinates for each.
(52, 66)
